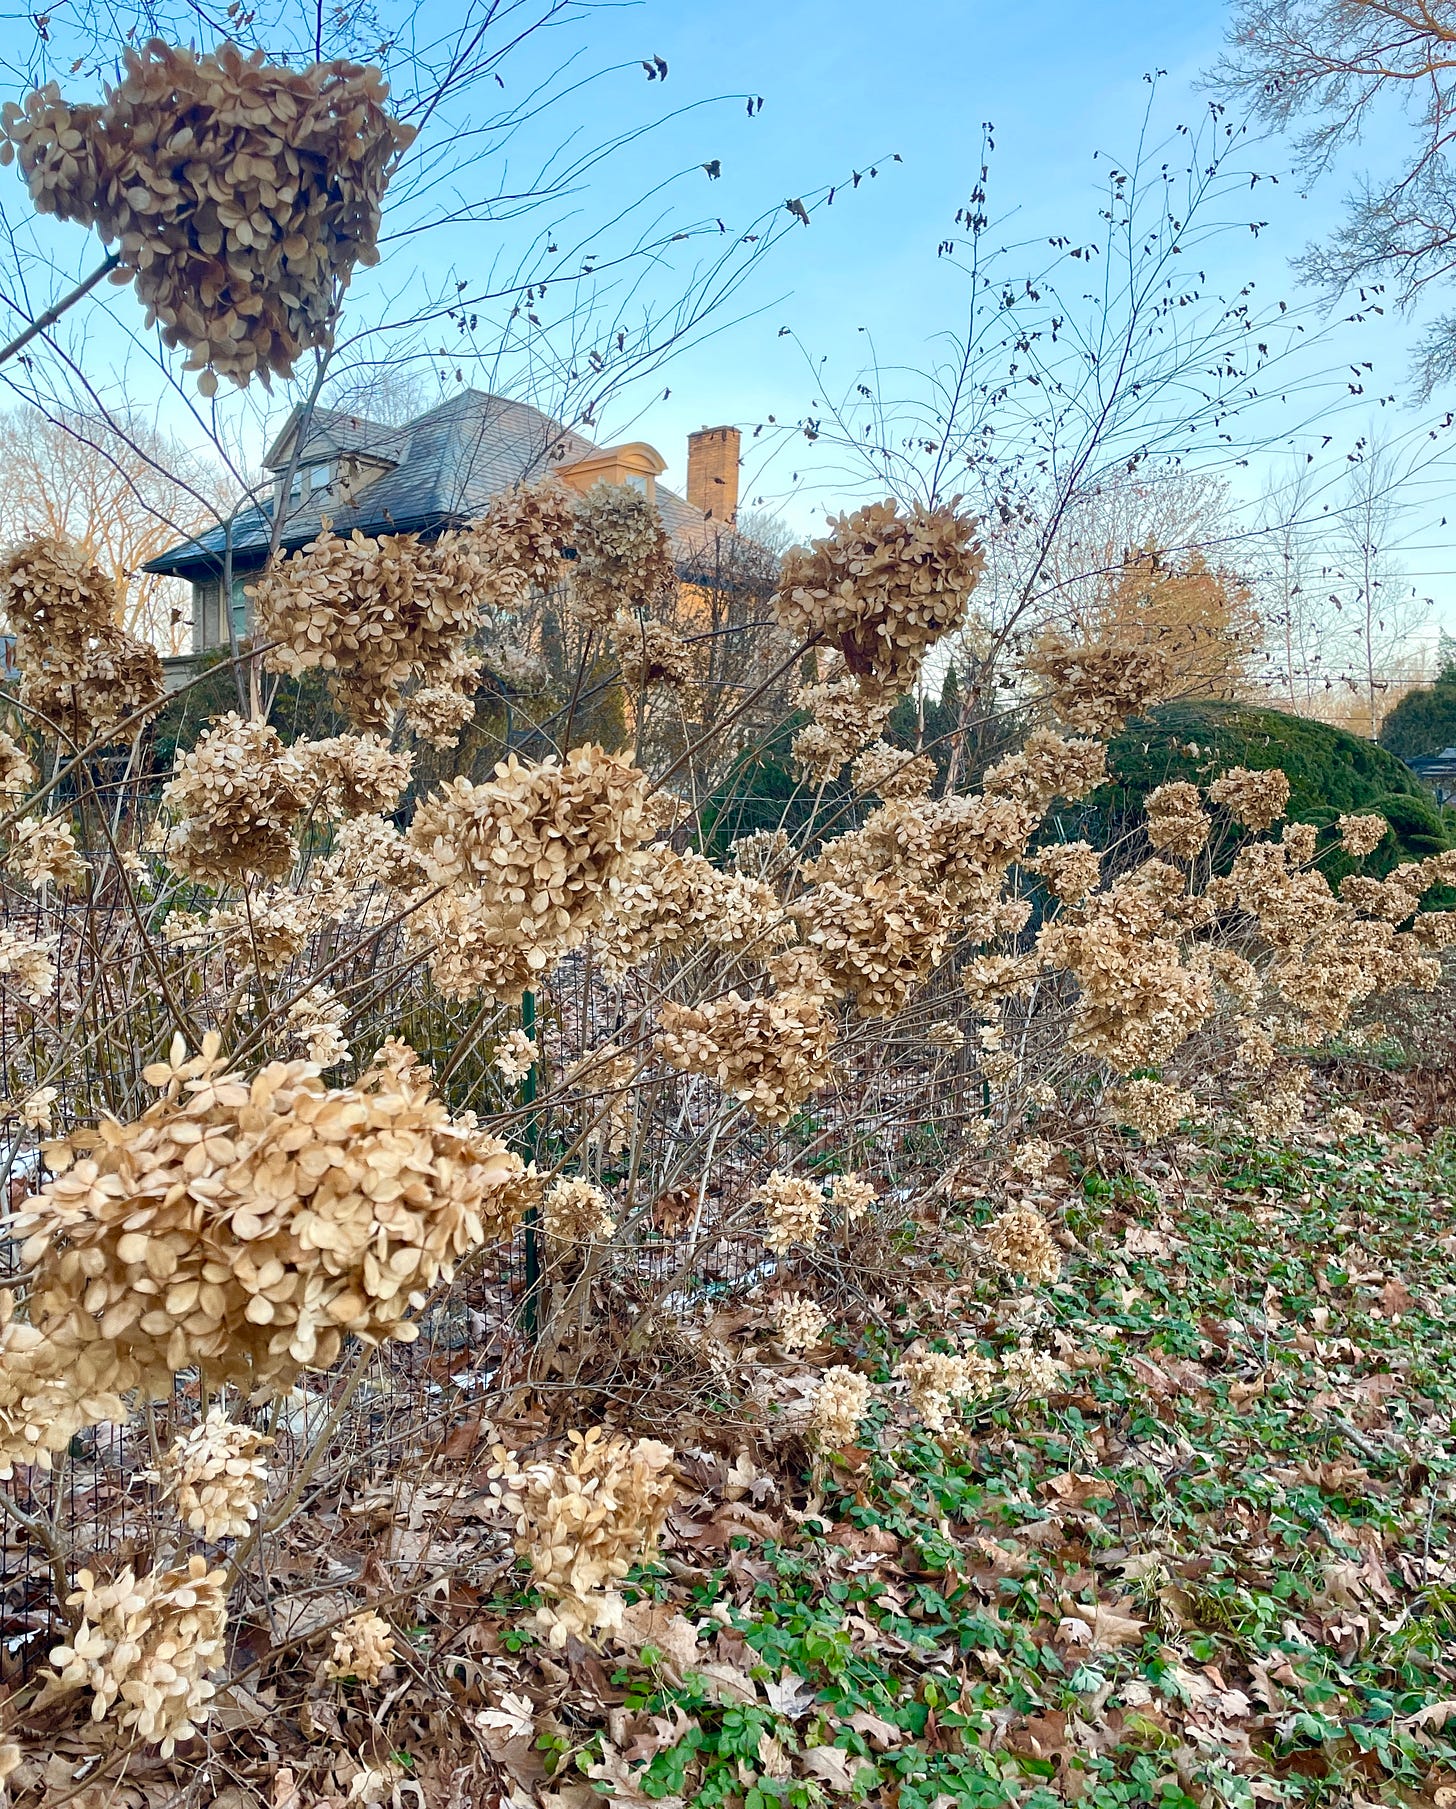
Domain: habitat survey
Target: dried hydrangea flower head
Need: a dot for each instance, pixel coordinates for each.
(1021, 1241)
(893, 773)
(845, 717)
(1046, 767)
(792, 1207)
(772, 1051)
(1070, 869)
(216, 1475)
(45, 854)
(363, 1650)
(515, 1057)
(840, 1403)
(1095, 688)
(1278, 1109)
(650, 653)
(1033, 1159)
(851, 1196)
(1152, 1108)
(338, 1210)
(236, 798)
(1362, 835)
(658, 902)
(882, 587)
(264, 932)
(623, 555)
(51, 1387)
(17, 775)
(945, 1036)
(1139, 1000)
(1255, 799)
(316, 1023)
(799, 1321)
(582, 1524)
(79, 669)
(522, 539)
(240, 194)
(879, 939)
(574, 1212)
(36, 1110)
(354, 774)
(378, 613)
(541, 841)
(146, 1643)
(1030, 1374)
(1177, 823)
(935, 1380)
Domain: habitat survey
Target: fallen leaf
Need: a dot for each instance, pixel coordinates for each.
(790, 1695)
(835, 1767)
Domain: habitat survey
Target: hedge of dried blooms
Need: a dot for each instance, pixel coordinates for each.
(254, 1217)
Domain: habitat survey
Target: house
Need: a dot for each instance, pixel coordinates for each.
(1439, 772)
(439, 471)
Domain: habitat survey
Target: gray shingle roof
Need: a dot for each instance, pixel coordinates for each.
(449, 463)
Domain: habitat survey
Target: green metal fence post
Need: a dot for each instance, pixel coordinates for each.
(531, 1314)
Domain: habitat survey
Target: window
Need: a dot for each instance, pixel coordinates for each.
(240, 603)
(635, 480)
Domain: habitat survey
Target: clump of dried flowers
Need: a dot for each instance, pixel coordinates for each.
(145, 1645)
(882, 587)
(216, 1475)
(80, 671)
(582, 1522)
(840, 1402)
(240, 193)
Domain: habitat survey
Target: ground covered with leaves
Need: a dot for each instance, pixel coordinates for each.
(1217, 1568)
(1214, 1565)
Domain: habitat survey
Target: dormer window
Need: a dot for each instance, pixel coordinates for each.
(307, 481)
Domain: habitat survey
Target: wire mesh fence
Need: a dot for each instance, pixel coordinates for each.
(679, 1165)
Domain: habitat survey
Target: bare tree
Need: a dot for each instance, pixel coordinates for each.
(1093, 396)
(1291, 598)
(1379, 605)
(1333, 71)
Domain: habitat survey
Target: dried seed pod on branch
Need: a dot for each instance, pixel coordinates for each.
(240, 194)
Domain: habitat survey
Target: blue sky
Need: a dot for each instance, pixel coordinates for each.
(844, 86)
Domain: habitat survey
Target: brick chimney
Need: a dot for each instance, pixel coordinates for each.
(713, 472)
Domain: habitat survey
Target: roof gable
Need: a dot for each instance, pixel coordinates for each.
(448, 464)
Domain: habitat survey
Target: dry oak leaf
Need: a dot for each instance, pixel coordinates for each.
(652, 1624)
(1101, 1625)
(833, 1766)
